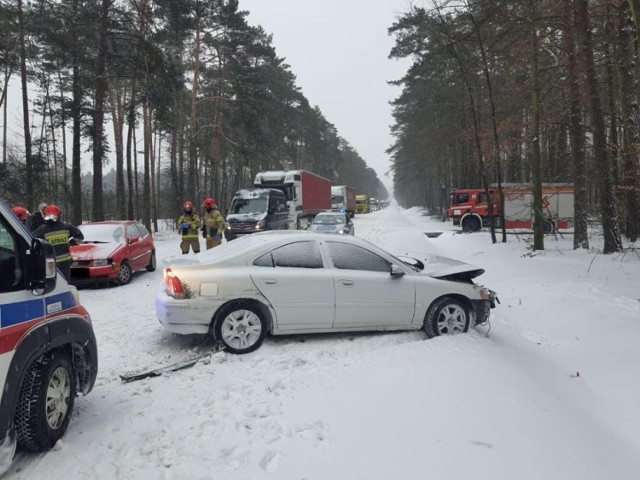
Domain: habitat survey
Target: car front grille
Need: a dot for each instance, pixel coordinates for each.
(81, 263)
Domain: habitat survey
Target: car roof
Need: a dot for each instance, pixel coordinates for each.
(228, 251)
(111, 222)
(333, 211)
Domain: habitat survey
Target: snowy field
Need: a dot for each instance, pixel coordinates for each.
(550, 391)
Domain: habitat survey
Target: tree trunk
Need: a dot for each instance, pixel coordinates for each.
(76, 114)
(116, 95)
(494, 122)
(576, 134)
(98, 115)
(629, 115)
(25, 107)
(476, 126)
(131, 126)
(608, 211)
(63, 127)
(146, 181)
(538, 214)
(193, 130)
(634, 5)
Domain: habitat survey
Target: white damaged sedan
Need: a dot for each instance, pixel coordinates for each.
(282, 282)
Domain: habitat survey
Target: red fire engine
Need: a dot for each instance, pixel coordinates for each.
(470, 210)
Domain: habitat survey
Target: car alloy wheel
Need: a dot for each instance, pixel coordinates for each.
(446, 316)
(241, 328)
(58, 395)
(124, 273)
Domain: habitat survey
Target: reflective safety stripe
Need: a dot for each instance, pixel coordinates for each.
(63, 258)
(190, 236)
(57, 238)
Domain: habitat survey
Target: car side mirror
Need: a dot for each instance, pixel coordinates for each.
(396, 271)
(133, 240)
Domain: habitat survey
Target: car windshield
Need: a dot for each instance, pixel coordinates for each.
(102, 233)
(248, 205)
(336, 219)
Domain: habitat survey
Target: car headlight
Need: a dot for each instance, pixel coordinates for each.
(100, 263)
(260, 224)
(488, 294)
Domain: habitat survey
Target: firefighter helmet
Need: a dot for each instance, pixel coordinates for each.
(209, 203)
(52, 212)
(188, 206)
(21, 212)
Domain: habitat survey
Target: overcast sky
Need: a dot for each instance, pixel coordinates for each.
(338, 50)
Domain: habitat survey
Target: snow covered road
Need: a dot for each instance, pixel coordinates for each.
(550, 393)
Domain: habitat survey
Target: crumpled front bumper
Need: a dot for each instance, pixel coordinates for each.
(482, 308)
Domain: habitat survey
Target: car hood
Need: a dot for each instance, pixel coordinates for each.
(245, 217)
(90, 251)
(327, 228)
(447, 268)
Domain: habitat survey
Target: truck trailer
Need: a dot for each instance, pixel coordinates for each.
(306, 193)
(344, 197)
(470, 210)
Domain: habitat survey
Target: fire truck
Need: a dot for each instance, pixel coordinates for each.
(470, 210)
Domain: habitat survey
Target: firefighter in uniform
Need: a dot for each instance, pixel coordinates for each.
(188, 225)
(212, 223)
(60, 235)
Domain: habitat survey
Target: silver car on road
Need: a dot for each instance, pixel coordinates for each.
(301, 282)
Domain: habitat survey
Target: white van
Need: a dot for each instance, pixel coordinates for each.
(48, 350)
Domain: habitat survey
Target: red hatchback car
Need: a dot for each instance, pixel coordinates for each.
(112, 252)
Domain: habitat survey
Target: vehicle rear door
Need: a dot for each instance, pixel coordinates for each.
(366, 293)
(136, 248)
(146, 241)
(293, 279)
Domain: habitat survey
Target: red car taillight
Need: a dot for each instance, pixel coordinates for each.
(172, 284)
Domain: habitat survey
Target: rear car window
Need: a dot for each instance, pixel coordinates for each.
(293, 255)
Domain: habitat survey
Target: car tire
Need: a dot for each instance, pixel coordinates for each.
(124, 274)
(241, 327)
(152, 262)
(471, 224)
(446, 316)
(46, 401)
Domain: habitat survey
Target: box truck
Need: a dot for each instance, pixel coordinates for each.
(306, 193)
(344, 197)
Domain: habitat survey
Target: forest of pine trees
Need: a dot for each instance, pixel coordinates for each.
(522, 91)
(183, 98)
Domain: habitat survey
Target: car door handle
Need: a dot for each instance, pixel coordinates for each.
(346, 283)
(270, 282)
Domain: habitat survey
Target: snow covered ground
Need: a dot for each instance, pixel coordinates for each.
(550, 391)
